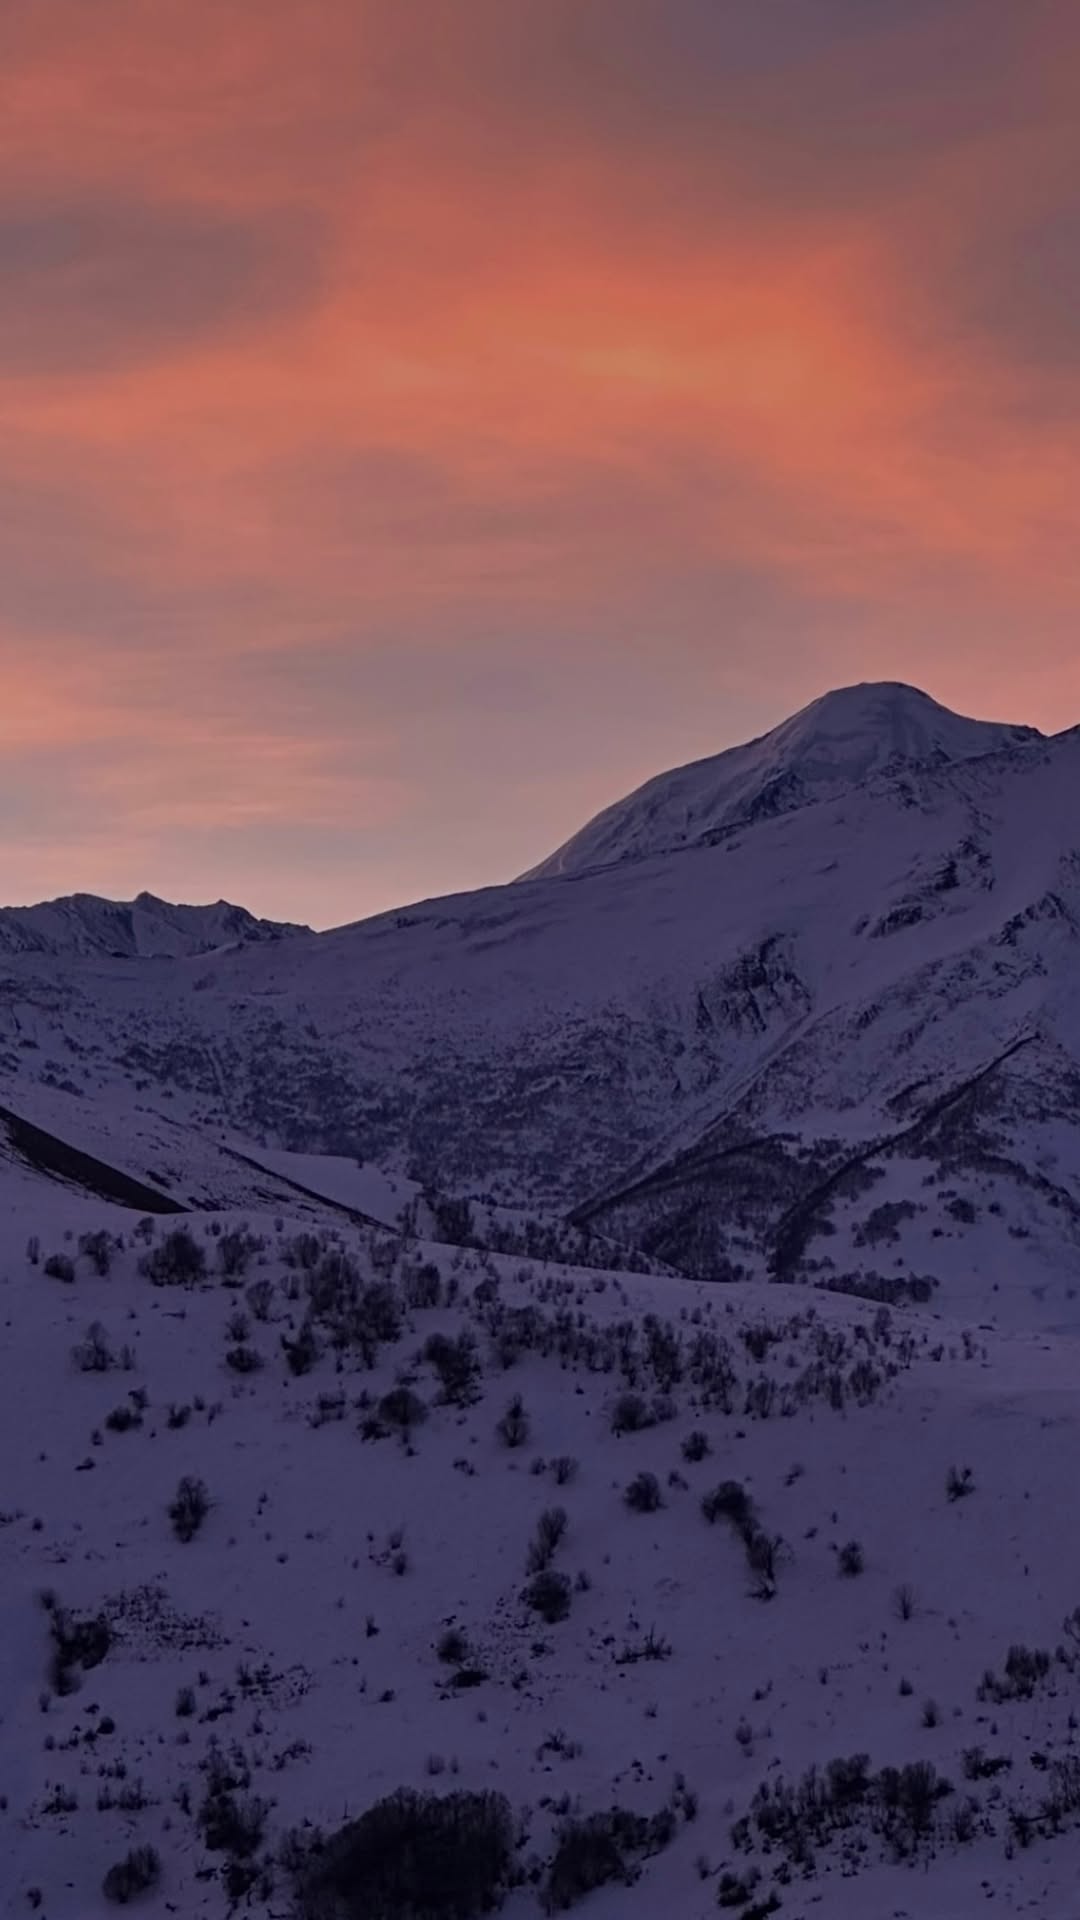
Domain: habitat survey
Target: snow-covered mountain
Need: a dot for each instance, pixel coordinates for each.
(145, 928)
(834, 744)
(375, 1432)
(726, 1057)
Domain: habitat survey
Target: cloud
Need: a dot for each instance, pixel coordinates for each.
(93, 286)
(417, 422)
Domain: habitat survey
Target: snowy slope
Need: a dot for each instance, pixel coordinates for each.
(145, 927)
(297, 1642)
(122, 1151)
(835, 743)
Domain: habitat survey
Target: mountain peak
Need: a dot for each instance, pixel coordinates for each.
(866, 728)
(143, 928)
(842, 738)
(875, 704)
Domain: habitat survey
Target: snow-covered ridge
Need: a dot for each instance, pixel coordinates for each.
(144, 928)
(832, 745)
(703, 1055)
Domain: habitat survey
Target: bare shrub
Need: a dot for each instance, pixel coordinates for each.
(548, 1594)
(762, 1551)
(457, 1364)
(236, 1250)
(189, 1507)
(1025, 1669)
(259, 1297)
(244, 1359)
(301, 1353)
(123, 1418)
(136, 1873)
(643, 1494)
(630, 1414)
(94, 1354)
(730, 1501)
(513, 1428)
(422, 1287)
(550, 1529)
(76, 1643)
(403, 1409)
(230, 1820)
(452, 1647)
(177, 1261)
(97, 1248)
(850, 1560)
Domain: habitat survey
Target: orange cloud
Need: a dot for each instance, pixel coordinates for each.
(352, 328)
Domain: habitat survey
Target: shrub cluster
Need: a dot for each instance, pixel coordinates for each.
(177, 1261)
(898, 1804)
(412, 1856)
(76, 1643)
(457, 1364)
(548, 1594)
(643, 1494)
(230, 1819)
(402, 1409)
(602, 1849)
(731, 1502)
(97, 1248)
(1025, 1669)
(547, 1591)
(94, 1354)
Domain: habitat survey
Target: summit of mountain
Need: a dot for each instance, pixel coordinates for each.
(840, 740)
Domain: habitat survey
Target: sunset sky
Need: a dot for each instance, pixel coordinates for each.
(422, 420)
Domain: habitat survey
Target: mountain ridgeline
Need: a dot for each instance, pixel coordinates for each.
(145, 928)
(819, 754)
(803, 1009)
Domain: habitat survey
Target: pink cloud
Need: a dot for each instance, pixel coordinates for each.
(366, 354)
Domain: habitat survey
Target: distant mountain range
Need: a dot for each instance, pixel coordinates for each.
(145, 928)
